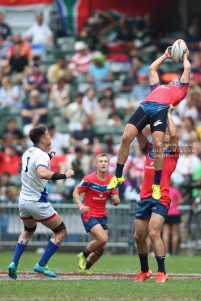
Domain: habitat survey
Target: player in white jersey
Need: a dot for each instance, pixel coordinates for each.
(33, 204)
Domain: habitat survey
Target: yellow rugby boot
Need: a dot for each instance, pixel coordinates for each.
(85, 271)
(82, 261)
(156, 192)
(114, 182)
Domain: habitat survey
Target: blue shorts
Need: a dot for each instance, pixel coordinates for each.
(95, 221)
(151, 108)
(149, 205)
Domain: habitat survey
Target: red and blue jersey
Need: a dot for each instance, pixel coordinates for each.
(167, 94)
(169, 165)
(96, 194)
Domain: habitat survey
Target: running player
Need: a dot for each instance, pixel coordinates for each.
(153, 110)
(94, 211)
(33, 204)
(151, 213)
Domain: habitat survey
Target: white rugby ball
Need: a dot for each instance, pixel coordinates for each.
(178, 49)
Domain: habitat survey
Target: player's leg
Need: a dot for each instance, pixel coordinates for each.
(175, 238)
(158, 127)
(100, 239)
(136, 123)
(29, 229)
(58, 227)
(166, 236)
(95, 256)
(155, 227)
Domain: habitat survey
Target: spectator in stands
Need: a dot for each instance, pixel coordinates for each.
(36, 80)
(17, 63)
(101, 115)
(190, 109)
(59, 141)
(124, 33)
(28, 127)
(80, 62)
(18, 137)
(40, 32)
(34, 108)
(172, 221)
(83, 158)
(9, 94)
(102, 45)
(99, 73)
(109, 94)
(90, 100)
(8, 190)
(138, 67)
(196, 65)
(5, 30)
(3, 51)
(76, 112)
(58, 70)
(114, 119)
(196, 20)
(78, 172)
(25, 47)
(9, 161)
(144, 41)
(59, 94)
(139, 91)
(85, 137)
(88, 36)
(194, 39)
(187, 128)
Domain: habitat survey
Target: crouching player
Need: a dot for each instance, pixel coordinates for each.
(151, 213)
(94, 211)
(33, 203)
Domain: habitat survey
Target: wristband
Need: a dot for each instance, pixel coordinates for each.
(58, 176)
(169, 115)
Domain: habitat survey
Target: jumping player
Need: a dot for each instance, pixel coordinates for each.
(33, 204)
(151, 213)
(94, 211)
(153, 110)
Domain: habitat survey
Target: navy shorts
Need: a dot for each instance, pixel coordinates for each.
(149, 205)
(95, 221)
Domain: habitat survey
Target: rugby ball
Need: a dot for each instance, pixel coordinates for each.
(178, 49)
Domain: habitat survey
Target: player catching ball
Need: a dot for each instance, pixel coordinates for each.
(94, 211)
(153, 110)
(33, 204)
(151, 213)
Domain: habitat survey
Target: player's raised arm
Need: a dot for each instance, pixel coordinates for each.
(45, 174)
(173, 144)
(185, 78)
(76, 195)
(153, 75)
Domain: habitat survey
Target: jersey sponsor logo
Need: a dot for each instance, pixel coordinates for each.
(99, 199)
(157, 122)
(163, 87)
(150, 167)
(154, 207)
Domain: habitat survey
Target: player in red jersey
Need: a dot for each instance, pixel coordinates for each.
(153, 110)
(151, 213)
(94, 211)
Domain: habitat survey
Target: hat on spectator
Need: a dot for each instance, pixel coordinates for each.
(176, 120)
(142, 76)
(98, 56)
(80, 46)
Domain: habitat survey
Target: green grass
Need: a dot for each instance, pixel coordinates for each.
(102, 289)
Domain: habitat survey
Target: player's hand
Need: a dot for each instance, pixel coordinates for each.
(52, 153)
(167, 53)
(84, 209)
(69, 173)
(186, 54)
(171, 109)
(115, 200)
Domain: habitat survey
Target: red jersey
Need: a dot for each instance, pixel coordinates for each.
(96, 194)
(167, 94)
(169, 165)
(10, 164)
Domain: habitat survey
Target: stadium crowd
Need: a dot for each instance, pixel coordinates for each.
(84, 88)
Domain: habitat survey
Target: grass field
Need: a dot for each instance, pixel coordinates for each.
(188, 289)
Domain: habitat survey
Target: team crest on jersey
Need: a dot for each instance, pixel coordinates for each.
(101, 195)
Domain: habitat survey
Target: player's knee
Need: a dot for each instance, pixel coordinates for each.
(158, 143)
(104, 240)
(139, 238)
(153, 236)
(64, 232)
(125, 138)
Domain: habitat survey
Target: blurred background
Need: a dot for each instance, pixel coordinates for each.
(81, 68)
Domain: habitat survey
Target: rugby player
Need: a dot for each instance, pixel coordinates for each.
(33, 204)
(151, 213)
(153, 110)
(93, 211)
